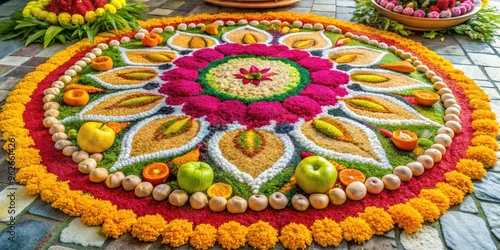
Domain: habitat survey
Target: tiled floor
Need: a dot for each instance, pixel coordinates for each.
(477, 226)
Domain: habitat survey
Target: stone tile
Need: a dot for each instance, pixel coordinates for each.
(29, 51)
(307, 4)
(126, 241)
(486, 189)
(3, 94)
(346, 3)
(457, 59)
(14, 60)
(8, 83)
(28, 233)
(484, 59)
(486, 84)
(52, 49)
(492, 92)
(155, 3)
(323, 7)
(15, 198)
(492, 213)
(20, 72)
(390, 234)
(205, 8)
(493, 73)
(59, 248)
(496, 232)
(425, 237)
(173, 5)
(344, 16)
(472, 71)
(44, 209)
(10, 46)
(468, 205)
(375, 243)
(344, 10)
(477, 47)
(2, 187)
(329, 2)
(300, 10)
(462, 229)
(190, 5)
(325, 14)
(4, 69)
(35, 61)
(448, 47)
(81, 234)
(160, 12)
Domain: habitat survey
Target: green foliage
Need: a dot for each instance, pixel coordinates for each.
(365, 13)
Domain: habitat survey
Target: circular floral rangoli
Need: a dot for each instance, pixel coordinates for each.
(252, 96)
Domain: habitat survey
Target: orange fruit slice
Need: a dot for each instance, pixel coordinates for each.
(350, 175)
(220, 189)
(156, 173)
(425, 97)
(405, 139)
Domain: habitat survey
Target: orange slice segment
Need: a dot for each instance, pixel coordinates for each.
(156, 173)
(220, 189)
(349, 175)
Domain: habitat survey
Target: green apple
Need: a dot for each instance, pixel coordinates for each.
(315, 174)
(195, 176)
(95, 137)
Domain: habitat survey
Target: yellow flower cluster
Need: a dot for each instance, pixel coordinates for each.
(34, 184)
(379, 220)
(483, 114)
(25, 174)
(455, 195)
(90, 16)
(77, 19)
(428, 210)
(357, 229)
(460, 181)
(64, 18)
(471, 168)
(437, 197)
(326, 232)
(21, 142)
(479, 104)
(262, 235)
(119, 223)
(149, 227)
(485, 140)
(177, 232)
(204, 237)
(110, 8)
(54, 191)
(482, 154)
(26, 157)
(97, 213)
(407, 217)
(295, 236)
(485, 127)
(232, 235)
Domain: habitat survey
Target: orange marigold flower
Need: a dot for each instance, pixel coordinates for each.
(262, 235)
(326, 232)
(52, 191)
(484, 140)
(33, 185)
(23, 99)
(119, 223)
(485, 125)
(26, 173)
(471, 168)
(489, 133)
(437, 197)
(407, 217)
(9, 114)
(477, 93)
(460, 181)
(232, 235)
(26, 156)
(428, 210)
(97, 213)
(19, 92)
(73, 203)
(482, 154)
(18, 107)
(295, 236)
(483, 114)
(356, 229)
(455, 195)
(9, 124)
(204, 237)
(378, 218)
(21, 142)
(149, 227)
(15, 133)
(479, 104)
(177, 232)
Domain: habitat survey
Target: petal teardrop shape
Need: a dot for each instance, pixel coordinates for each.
(247, 35)
(148, 57)
(306, 40)
(182, 41)
(126, 77)
(384, 80)
(355, 56)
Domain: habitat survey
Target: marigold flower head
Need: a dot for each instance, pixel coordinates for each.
(90, 16)
(26, 173)
(326, 232)
(26, 12)
(110, 8)
(116, 3)
(486, 125)
(34, 184)
(428, 210)
(479, 104)
(51, 17)
(484, 140)
(483, 114)
(482, 154)
(77, 19)
(232, 235)
(471, 168)
(177, 232)
(26, 156)
(295, 236)
(119, 223)
(262, 235)
(41, 15)
(356, 229)
(204, 237)
(18, 99)
(378, 219)
(437, 197)
(407, 217)
(73, 203)
(21, 142)
(455, 195)
(13, 106)
(477, 93)
(100, 11)
(149, 227)
(460, 181)
(54, 190)
(14, 133)
(97, 213)
(64, 18)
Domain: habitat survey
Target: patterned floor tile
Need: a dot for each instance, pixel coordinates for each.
(14, 60)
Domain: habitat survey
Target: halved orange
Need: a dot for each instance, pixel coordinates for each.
(220, 189)
(425, 97)
(350, 175)
(156, 173)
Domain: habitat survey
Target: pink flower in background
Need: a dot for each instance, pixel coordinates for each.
(254, 76)
(390, 6)
(463, 9)
(398, 9)
(455, 11)
(419, 13)
(408, 11)
(433, 14)
(445, 14)
(383, 3)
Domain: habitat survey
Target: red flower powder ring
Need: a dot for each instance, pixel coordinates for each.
(301, 96)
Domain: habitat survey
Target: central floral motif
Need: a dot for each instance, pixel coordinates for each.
(255, 75)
